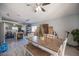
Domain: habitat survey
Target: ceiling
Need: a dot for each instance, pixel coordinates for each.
(22, 13)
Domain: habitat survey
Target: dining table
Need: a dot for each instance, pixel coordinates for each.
(50, 45)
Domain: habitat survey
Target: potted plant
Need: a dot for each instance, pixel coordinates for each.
(75, 34)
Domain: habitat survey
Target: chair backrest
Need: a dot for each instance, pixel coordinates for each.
(63, 46)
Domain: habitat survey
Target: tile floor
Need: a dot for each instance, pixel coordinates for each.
(15, 49)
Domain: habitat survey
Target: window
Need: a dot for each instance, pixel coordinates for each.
(14, 28)
(34, 28)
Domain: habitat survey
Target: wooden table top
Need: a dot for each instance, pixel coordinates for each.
(36, 51)
(52, 44)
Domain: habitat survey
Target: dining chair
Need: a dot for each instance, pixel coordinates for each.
(63, 46)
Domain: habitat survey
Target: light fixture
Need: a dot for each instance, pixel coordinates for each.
(38, 8)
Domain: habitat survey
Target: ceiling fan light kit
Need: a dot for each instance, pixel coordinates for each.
(39, 7)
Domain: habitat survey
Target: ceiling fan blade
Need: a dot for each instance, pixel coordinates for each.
(44, 4)
(43, 9)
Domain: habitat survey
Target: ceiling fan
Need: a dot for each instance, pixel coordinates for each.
(39, 6)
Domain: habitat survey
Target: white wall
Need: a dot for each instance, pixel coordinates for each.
(66, 23)
(63, 24)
